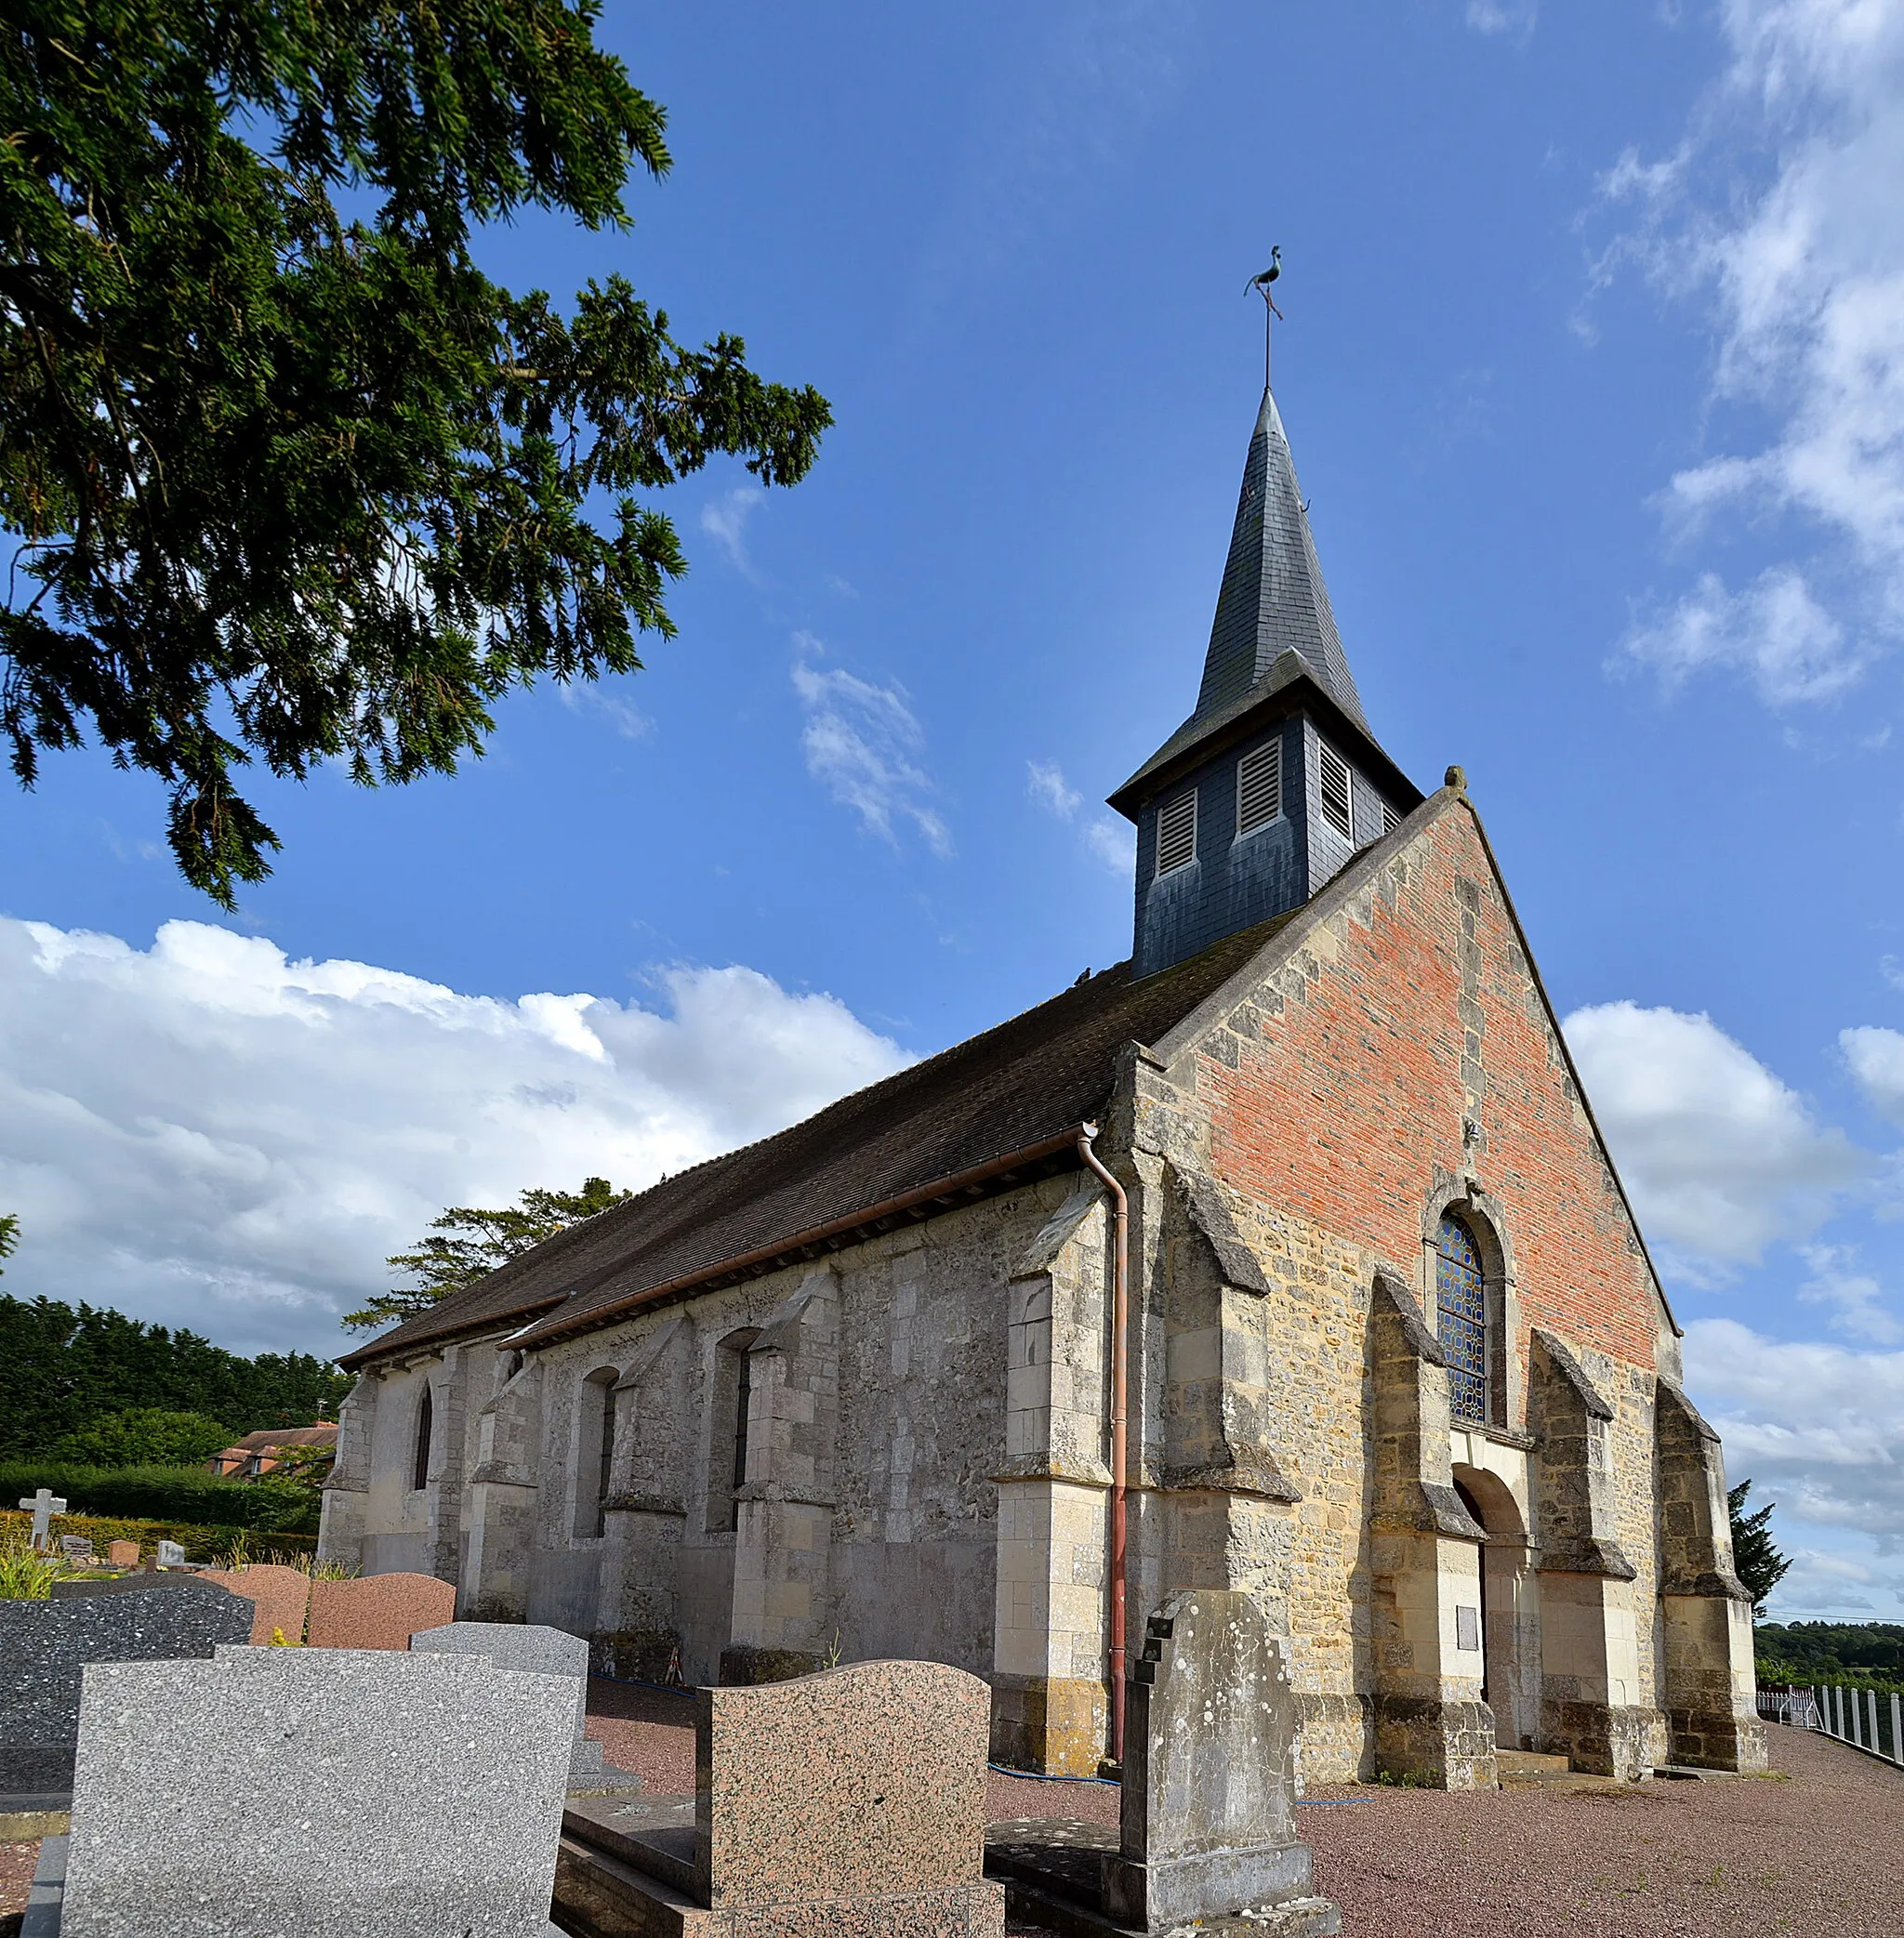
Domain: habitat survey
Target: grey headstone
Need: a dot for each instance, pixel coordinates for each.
(171, 1555)
(526, 1648)
(1210, 1729)
(76, 1546)
(131, 1585)
(44, 1645)
(414, 1797)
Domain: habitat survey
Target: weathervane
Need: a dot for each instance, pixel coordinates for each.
(1260, 285)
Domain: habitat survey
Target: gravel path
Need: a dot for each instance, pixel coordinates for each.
(1817, 1848)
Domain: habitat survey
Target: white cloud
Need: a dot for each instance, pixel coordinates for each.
(1853, 1298)
(1720, 1155)
(1112, 842)
(1050, 789)
(1819, 1429)
(1876, 1060)
(724, 520)
(590, 697)
(1774, 632)
(1782, 204)
(1510, 16)
(862, 744)
(207, 1134)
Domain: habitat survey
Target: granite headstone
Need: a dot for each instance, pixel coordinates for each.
(533, 1648)
(411, 1796)
(377, 1610)
(851, 1803)
(171, 1554)
(122, 1554)
(46, 1644)
(280, 1596)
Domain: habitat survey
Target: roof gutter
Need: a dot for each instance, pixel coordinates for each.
(972, 1181)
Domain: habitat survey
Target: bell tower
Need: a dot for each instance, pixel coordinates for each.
(1276, 780)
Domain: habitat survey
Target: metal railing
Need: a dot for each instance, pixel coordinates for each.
(1862, 1718)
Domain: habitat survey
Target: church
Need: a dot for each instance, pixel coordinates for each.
(1285, 1256)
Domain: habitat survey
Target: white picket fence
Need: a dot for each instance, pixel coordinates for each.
(1859, 1717)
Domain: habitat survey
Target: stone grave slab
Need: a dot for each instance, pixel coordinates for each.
(376, 1610)
(122, 1554)
(849, 1803)
(44, 1646)
(426, 1800)
(171, 1554)
(279, 1597)
(539, 1649)
(1207, 1835)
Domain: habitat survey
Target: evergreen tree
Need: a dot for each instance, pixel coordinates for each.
(477, 1242)
(62, 1367)
(144, 1436)
(292, 480)
(1758, 1565)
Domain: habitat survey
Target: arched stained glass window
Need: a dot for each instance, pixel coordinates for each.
(1460, 1312)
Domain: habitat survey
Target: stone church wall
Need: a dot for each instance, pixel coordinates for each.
(904, 1501)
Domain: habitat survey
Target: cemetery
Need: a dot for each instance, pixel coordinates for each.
(471, 1778)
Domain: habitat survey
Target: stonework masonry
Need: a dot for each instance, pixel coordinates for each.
(897, 1444)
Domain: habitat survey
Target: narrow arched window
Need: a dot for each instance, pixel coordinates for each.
(605, 1472)
(419, 1469)
(1461, 1319)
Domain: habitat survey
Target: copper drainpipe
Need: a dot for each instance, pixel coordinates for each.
(1120, 1329)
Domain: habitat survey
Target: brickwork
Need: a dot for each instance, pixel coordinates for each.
(1342, 1087)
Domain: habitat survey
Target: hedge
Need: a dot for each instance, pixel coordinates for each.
(184, 1494)
(201, 1544)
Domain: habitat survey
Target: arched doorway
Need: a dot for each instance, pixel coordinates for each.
(1509, 1642)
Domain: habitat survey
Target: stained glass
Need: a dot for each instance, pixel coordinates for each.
(1461, 1298)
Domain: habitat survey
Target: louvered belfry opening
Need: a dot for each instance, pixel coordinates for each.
(1176, 833)
(1259, 787)
(1336, 807)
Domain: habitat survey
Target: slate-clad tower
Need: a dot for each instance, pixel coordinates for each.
(1274, 780)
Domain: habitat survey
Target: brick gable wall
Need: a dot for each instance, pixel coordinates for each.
(1400, 1021)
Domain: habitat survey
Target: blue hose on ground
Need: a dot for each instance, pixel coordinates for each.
(1039, 1776)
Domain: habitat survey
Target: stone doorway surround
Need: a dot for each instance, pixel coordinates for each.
(1491, 1478)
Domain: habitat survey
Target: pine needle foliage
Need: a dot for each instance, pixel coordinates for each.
(1759, 1565)
(467, 1244)
(292, 480)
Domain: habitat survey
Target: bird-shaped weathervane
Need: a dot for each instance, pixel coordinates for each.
(1260, 285)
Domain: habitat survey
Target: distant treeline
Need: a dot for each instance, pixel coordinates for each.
(1870, 1652)
(62, 1367)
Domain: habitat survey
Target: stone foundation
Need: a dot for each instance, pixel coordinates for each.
(1335, 1738)
(1055, 1725)
(742, 1665)
(633, 1654)
(1706, 1739)
(1449, 1746)
(1604, 1739)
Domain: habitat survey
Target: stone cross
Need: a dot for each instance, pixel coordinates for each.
(43, 1506)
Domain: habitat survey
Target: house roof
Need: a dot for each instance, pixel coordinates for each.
(323, 1434)
(1027, 1082)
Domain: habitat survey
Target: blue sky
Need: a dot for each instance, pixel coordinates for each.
(1594, 369)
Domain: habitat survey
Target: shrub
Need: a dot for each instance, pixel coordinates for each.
(144, 1436)
(184, 1494)
(217, 1547)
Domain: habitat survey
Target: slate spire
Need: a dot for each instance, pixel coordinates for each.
(1272, 598)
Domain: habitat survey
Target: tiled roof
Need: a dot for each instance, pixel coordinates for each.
(323, 1434)
(1027, 1080)
(1273, 603)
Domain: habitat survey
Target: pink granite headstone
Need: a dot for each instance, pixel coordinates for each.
(279, 1597)
(378, 1612)
(865, 1782)
(121, 1554)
